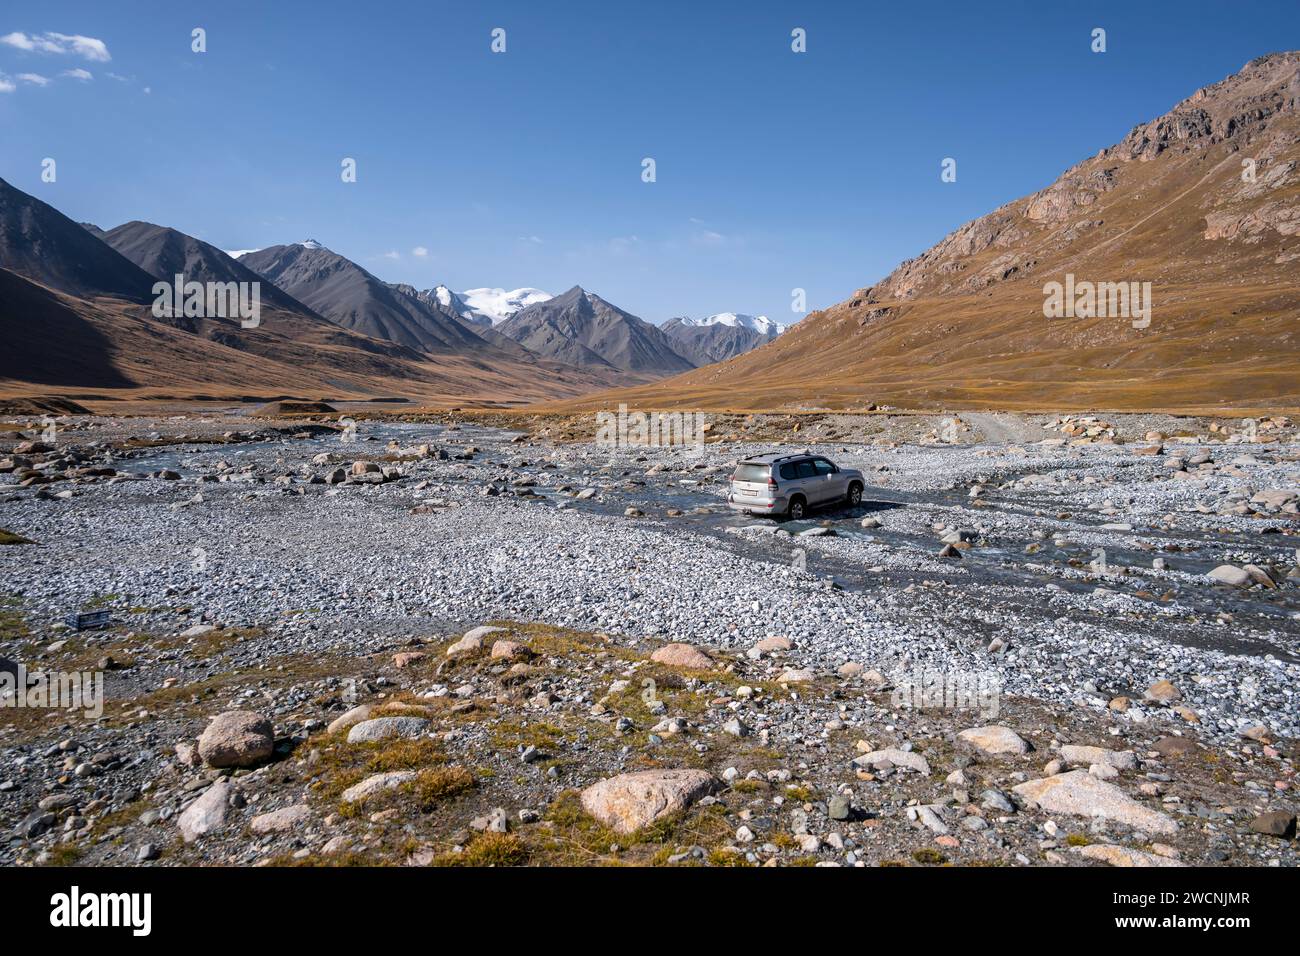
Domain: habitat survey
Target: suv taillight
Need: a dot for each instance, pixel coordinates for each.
(771, 482)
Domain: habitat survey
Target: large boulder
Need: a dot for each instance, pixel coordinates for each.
(377, 783)
(1163, 692)
(237, 738)
(350, 719)
(630, 801)
(1124, 856)
(994, 739)
(385, 728)
(898, 758)
(1081, 794)
(1080, 756)
(683, 655)
(282, 820)
(472, 640)
(1231, 575)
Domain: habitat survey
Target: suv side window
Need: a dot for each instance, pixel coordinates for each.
(789, 472)
(806, 469)
(823, 466)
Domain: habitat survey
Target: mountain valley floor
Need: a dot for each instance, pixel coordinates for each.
(297, 672)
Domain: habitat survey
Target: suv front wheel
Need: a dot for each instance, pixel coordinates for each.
(855, 494)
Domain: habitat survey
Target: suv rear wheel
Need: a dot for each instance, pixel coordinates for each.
(797, 508)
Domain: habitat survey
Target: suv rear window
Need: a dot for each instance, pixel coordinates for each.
(750, 471)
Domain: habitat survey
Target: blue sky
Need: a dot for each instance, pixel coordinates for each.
(775, 170)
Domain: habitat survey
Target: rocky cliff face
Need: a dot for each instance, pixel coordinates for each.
(1252, 113)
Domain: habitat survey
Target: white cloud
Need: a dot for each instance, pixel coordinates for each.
(35, 79)
(78, 74)
(394, 254)
(535, 240)
(6, 85)
(75, 44)
(420, 252)
(20, 40)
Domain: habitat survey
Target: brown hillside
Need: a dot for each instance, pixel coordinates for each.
(962, 325)
(109, 348)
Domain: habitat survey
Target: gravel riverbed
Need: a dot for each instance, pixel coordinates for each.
(1079, 573)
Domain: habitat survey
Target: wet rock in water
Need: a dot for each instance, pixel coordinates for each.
(376, 783)
(206, 814)
(995, 739)
(237, 738)
(1080, 794)
(386, 728)
(683, 655)
(630, 801)
(1231, 575)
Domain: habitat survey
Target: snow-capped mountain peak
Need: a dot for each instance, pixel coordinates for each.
(755, 323)
(445, 296)
(497, 305)
(311, 244)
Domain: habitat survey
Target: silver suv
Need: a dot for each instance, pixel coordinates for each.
(788, 485)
